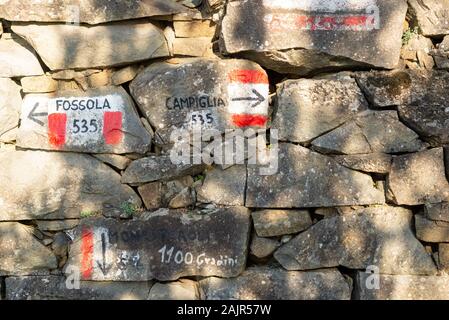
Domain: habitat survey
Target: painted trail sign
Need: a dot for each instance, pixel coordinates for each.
(95, 121)
(233, 95)
(167, 245)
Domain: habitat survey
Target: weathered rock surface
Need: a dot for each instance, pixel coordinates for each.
(307, 36)
(115, 160)
(308, 179)
(194, 29)
(307, 108)
(95, 121)
(56, 185)
(166, 246)
(264, 283)
(226, 187)
(443, 256)
(430, 230)
(57, 225)
(183, 289)
(263, 247)
(202, 94)
(418, 178)
(39, 84)
(373, 162)
(86, 11)
(437, 211)
(380, 236)
(16, 58)
(374, 131)
(68, 47)
(55, 288)
(155, 168)
(21, 253)
(271, 223)
(403, 287)
(10, 101)
(431, 15)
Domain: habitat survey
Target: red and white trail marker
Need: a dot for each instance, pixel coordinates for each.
(248, 92)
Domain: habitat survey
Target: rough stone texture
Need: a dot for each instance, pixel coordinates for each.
(418, 178)
(431, 15)
(184, 91)
(194, 29)
(431, 231)
(67, 47)
(115, 160)
(39, 84)
(307, 108)
(193, 47)
(270, 223)
(374, 131)
(152, 195)
(10, 101)
(277, 30)
(308, 179)
(380, 236)
(124, 75)
(264, 283)
(443, 256)
(57, 225)
(21, 253)
(17, 59)
(226, 187)
(263, 247)
(183, 289)
(373, 162)
(166, 246)
(41, 114)
(55, 185)
(54, 288)
(155, 168)
(86, 11)
(437, 211)
(403, 287)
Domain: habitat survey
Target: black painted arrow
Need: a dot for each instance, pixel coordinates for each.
(258, 98)
(33, 115)
(103, 265)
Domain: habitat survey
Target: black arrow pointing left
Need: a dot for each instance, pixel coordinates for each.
(33, 115)
(258, 98)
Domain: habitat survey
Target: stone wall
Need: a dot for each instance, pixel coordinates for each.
(349, 99)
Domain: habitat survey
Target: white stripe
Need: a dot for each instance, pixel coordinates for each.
(240, 90)
(320, 5)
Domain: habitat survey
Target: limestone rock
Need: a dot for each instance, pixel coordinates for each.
(380, 236)
(373, 162)
(10, 101)
(403, 287)
(17, 58)
(431, 231)
(39, 84)
(270, 223)
(97, 121)
(443, 256)
(57, 225)
(419, 178)
(116, 160)
(264, 283)
(308, 179)
(124, 75)
(86, 11)
(307, 36)
(55, 185)
(183, 289)
(263, 247)
(437, 211)
(84, 47)
(21, 253)
(374, 131)
(193, 47)
(194, 29)
(307, 108)
(202, 94)
(55, 288)
(431, 15)
(167, 245)
(226, 187)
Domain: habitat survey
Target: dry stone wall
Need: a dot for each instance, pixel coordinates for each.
(345, 195)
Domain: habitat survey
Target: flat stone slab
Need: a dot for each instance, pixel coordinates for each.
(16, 58)
(265, 283)
(402, 287)
(373, 162)
(10, 101)
(95, 121)
(379, 236)
(84, 47)
(437, 211)
(202, 94)
(86, 11)
(308, 179)
(59, 185)
(166, 246)
(431, 231)
(431, 15)
(55, 288)
(271, 223)
(341, 31)
(21, 253)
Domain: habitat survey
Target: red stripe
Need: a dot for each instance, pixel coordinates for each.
(248, 76)
(87, 250)
(112, 129)
(249, 120)
(57, 129)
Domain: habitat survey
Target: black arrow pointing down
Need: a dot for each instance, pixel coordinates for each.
(104, 267)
